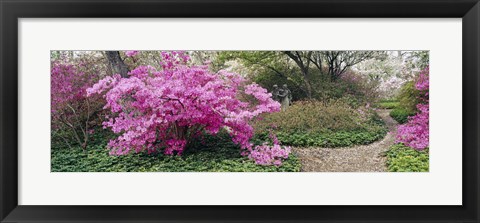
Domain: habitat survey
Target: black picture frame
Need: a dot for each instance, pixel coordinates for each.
(11, 11)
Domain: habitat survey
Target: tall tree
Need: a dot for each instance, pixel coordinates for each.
(116, 63)
(303, 59)
(270, 60)
(339, 61)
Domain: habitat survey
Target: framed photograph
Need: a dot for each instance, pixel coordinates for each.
(228, 111)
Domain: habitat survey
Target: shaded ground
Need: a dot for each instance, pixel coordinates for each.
(364, 158)
(214, 154)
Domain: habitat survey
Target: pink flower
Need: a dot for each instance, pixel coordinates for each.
(131, 53)
(415, 133)
(269, 155)
(164, 109)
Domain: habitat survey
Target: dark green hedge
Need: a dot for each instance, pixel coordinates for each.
(401, 115)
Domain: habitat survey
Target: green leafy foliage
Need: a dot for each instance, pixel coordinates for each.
(336, 139)
(387, 104)
(409, 97)
(401, 115)
(268, 68)
(314, 123)
(215, 154)
(401, 158)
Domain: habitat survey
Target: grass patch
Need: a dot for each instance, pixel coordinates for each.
(216, 154)
(401, 158)
(322, 125)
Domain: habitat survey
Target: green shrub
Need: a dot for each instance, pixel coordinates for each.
(401, 115)
(408, 100)
(215, 154)
(387, 104)
(337, 139)
(401, 158)
(409, 97)
(314, 123)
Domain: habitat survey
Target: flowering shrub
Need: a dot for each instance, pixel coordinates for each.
(386, 75)
(131, 53)
(71, 111)
(270, 154)
(423, 83)
(65, 86)
(357, 85)
(415, 133)
(164, 109)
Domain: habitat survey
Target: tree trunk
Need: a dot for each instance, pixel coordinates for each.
(303, 67)
(117, 64)
(308, 88)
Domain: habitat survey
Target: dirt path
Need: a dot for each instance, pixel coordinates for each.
(365, 158)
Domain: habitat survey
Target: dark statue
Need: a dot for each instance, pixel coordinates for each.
(282, 95)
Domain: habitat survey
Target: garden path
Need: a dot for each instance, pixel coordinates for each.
(364, 158)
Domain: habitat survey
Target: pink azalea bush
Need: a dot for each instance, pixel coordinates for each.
(164, 109)
(266, 154)
(71, 110)
(65, 86)
(415, 133)
(131, 53)
(423, 83)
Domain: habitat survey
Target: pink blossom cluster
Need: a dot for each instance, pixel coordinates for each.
(423, 83)
(131, 53)
(71, 110)
(173, 58)
(68, 85)
(266, 154)
(415, 133)
(164, 109)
